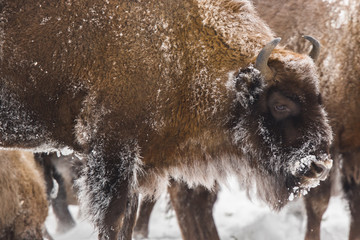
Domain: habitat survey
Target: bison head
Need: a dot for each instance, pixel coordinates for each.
(280, 124)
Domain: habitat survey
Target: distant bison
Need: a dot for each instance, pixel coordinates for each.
(24, 207)
(147, 90)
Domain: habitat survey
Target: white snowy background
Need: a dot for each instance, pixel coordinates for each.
(236, 218)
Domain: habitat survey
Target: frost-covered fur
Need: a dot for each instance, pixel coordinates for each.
(338, 29)
(147, 90)
(95, 178)
(23, 200)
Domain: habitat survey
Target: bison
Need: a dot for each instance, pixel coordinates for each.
(147, 90)
(339, 85)
(23, 199)
(339, 65)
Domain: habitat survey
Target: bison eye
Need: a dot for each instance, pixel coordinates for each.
(281, 108)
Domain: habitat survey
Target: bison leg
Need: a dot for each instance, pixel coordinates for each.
(107, 186)
(114, 216)
(142, 223)
(193, 209)
(351, 186)
(44, 161)
(130, 218)
(316, 203)
(60, 205)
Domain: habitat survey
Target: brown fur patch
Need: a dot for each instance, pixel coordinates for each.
(24, 205)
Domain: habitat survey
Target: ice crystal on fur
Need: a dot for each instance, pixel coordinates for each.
(18, 124)
(249, 84)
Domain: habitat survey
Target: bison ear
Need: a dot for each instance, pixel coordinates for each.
(249, 85)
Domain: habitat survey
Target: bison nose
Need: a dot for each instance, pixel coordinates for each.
(322, 168)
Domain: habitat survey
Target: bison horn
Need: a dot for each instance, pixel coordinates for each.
(315, 51)
(262, 59)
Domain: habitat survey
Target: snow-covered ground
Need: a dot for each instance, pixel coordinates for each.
(236, 218)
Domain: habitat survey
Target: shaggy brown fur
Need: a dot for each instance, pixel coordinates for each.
(148, 90)
(24, 206)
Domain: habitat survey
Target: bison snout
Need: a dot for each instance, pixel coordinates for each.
(318, 170)
(321, 169)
